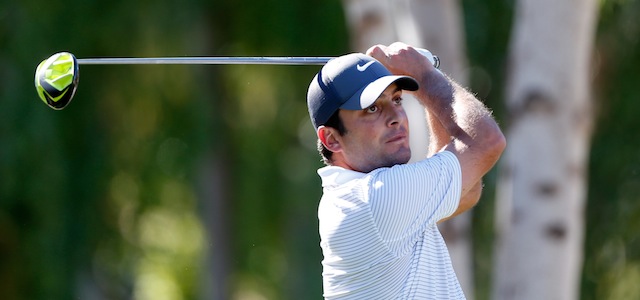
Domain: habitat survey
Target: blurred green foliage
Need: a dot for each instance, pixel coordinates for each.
(103, 199)
(612, 246)
(107, 198)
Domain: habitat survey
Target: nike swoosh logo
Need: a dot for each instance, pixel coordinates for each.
(364, 67)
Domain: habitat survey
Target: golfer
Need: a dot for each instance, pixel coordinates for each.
(378, 214)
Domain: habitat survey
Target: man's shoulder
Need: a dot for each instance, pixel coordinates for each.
(443, 155)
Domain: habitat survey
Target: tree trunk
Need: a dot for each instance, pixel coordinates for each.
(215, 210)
(369, 23)
(437, 26)
(440, 27)
(542, 182)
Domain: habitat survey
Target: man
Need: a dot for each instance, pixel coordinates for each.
(378, 214)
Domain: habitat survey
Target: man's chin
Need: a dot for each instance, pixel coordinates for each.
(405, 152)
(402, 156)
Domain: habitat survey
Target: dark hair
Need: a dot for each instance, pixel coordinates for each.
(333, 122)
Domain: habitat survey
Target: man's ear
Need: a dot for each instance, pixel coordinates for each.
(329, 138)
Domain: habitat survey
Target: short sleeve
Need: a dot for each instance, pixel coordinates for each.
(406, 199)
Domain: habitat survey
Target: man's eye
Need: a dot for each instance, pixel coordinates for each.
(372, 109)
(397, 100)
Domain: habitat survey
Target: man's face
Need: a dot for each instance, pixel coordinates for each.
(377, 136)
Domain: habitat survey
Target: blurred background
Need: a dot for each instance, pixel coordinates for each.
(199, 182)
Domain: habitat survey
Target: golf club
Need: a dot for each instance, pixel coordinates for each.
(56, 78)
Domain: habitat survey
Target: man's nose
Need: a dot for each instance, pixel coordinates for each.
(397, 115)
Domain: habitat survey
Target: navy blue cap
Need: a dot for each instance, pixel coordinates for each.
(351, 82)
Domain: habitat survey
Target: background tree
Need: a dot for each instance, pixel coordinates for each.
(440, 27)
(542, 186)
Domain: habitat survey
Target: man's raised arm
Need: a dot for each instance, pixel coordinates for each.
(467, 127)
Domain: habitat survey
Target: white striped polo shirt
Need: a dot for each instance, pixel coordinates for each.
(378, 230)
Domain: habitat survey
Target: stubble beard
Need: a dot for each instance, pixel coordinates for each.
(402, 156)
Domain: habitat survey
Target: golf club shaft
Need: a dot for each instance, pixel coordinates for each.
(205, 61)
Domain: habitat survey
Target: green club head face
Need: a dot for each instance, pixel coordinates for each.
(56, 79)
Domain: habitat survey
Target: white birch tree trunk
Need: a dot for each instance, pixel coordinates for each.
(542, 181)
(435, 25)
(440, 27)
(370, 23)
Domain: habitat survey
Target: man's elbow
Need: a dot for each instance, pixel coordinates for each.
(472, 197)
(468, 200)
(495, 144)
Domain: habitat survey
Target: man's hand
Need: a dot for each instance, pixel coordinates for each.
(402, 59)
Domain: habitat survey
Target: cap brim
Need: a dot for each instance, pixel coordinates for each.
(367, 95)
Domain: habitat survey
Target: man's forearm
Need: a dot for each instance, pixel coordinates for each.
(438, 135)
(473, 134)
(457, 111)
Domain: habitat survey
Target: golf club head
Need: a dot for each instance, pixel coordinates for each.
(56, 79)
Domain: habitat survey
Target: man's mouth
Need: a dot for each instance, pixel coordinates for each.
(399, 137)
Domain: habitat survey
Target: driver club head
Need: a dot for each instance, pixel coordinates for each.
(56, 79)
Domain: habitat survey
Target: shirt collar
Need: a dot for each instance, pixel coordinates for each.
(333, 176)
